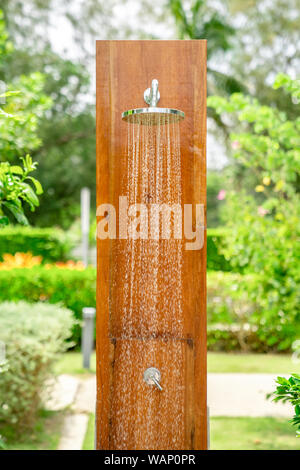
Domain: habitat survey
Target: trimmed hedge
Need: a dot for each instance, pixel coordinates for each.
(231, 314)
(55, 245)
(73, 289)
(51, 243)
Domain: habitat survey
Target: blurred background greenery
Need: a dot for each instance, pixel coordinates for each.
(47, 154)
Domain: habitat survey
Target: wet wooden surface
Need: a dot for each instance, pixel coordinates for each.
(124, 70)
(141, 416)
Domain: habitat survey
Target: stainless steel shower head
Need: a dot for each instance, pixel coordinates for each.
(152, 115)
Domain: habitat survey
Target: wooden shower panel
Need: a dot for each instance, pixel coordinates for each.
(124, 70)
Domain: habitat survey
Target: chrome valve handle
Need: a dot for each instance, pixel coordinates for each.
(152, 376)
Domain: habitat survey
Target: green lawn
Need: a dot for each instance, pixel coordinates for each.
(251, 363)
(252, 434)
(226, 433)
(71, 363)
(237, 434)
(89, 440)
(44, 436)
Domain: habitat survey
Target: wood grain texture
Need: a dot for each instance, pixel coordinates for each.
(124, 70)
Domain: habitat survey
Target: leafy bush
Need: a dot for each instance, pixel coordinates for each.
(19, 116)
(16, 189)
(215, 183)
(216, 260)
(233, 337)
(73, 288)
(229, 312)
(50, 243)
(33, 335)
(263, 224)
(288, 390)
(233, 313)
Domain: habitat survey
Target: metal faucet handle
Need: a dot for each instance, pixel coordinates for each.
(152, 376)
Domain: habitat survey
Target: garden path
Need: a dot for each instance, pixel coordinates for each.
(229, 394)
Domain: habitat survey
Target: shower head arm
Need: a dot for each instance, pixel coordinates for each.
(152, 95)
(152, 115)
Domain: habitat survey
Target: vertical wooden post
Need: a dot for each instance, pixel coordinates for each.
(124, 70)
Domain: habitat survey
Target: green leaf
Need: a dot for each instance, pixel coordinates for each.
(16, 211)
(282, 381)
(10, 93)
(37, 184)
(4, 220)
(16, 169)
(31, 197)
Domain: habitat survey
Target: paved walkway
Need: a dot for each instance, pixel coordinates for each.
(228, 395)
(73, 432)
(79, 397)
(244, 395)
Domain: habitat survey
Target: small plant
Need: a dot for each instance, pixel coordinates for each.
(288, 390)
(15, 189)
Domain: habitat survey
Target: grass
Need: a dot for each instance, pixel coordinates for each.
(71, 363)
(89, 440)
(251, 363)
(44, 436)
(237, 434)
(252, 434)
(226, 433)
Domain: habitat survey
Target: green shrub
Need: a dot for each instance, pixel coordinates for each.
(229, 313)
(216, 261)
(262, 220)
(51, 243)
(233, 315)
(288, 391)
(226, 301)
(74, 289)
(33, 335)
(54, 244)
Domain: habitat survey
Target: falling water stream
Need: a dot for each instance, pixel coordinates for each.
(146, 305)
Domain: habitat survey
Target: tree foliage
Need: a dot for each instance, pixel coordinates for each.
(19, 116)
(66, 157)
(197, 20)
(263, 232)
(266, 44)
